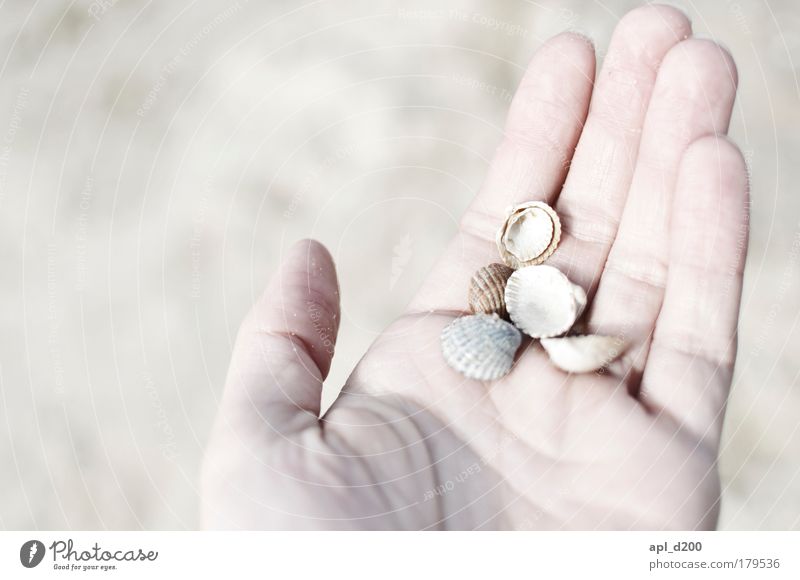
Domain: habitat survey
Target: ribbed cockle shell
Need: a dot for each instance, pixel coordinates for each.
(584, 353)
(542, 302)
(480, 346)
(487, 289)
(529, 235)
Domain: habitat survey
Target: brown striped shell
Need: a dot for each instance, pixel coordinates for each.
(487, 289)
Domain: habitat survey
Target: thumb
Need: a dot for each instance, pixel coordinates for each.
(285, 345)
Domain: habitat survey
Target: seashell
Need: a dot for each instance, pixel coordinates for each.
(487, 290)
(480, 346)
(529, 235)
(584, 353)
(542, 302)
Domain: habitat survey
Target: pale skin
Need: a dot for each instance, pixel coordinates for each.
(654, 202)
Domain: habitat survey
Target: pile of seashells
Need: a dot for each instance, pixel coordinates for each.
(539, 300)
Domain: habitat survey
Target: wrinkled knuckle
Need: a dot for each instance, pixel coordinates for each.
(536, 125)
(642, 268)
(480, 225)
(621, 100)
(597, 226)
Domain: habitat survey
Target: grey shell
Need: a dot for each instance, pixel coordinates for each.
(480, 346)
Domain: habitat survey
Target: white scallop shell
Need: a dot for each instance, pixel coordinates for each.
(542, 302)
(583, 354)
(480, 346)
(529, 234)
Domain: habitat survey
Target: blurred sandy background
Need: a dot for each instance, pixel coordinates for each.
(157, 158)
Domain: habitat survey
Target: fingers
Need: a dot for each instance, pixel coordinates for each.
(282, 354)
(594, 194)
(691, 358)
(284, 347)
(543, 125)
(693, 97)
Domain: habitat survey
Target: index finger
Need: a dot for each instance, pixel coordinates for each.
(542, 129)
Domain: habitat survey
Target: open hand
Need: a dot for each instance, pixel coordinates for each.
(653, 200)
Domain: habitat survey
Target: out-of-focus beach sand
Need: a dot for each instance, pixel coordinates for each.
(158, 158)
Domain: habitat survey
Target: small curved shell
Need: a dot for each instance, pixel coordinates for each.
(487, 289)
(583, 354)
(480, 346)
(529, 235)
(542, 302)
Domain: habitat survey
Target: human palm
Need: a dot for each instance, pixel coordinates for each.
(654, 206)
